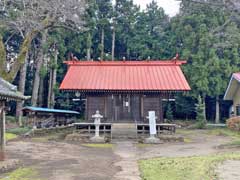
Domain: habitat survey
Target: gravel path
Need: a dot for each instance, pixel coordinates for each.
(128, 163)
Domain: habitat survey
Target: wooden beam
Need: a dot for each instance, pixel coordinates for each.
(142, 107)
(2, 130)
(160, 110)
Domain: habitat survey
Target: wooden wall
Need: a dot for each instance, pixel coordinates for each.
(153, 103)
(93, 104)
(114, 109)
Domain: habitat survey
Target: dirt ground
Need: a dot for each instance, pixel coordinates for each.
(65, 161)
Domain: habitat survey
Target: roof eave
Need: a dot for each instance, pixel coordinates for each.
(226, 95)
(117, 90)
(13, 97)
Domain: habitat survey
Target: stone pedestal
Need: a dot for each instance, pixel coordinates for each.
(97, 139)
(152, 140)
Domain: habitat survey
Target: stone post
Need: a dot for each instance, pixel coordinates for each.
(97, 121)
(152, 128)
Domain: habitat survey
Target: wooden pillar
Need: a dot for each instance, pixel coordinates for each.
(160, 110)
(113, 107)
(2, 130)
(105, 107)
(142, 107)
(86, 109)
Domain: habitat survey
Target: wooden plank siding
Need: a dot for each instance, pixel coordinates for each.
(95, 103)
(153, 103)
(124, 107)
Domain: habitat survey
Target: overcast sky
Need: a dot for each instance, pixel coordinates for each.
(171, 7)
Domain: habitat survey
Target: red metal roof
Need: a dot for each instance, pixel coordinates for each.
(125, 76)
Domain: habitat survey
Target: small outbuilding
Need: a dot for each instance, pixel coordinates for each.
(8, 92)
(47, 117)
(233, 94)
(124, 91)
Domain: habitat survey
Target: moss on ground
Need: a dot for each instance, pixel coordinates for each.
(188, 140)
(99, 145)
(21, 174)
(181, 168)
(10, 136)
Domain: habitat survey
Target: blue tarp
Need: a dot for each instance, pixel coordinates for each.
(47, 110)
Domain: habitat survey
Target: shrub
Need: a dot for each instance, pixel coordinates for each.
(201, 121)
(234, 123)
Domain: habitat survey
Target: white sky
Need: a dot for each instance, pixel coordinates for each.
(171, 7)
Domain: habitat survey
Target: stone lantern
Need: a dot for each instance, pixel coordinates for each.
(97, 121)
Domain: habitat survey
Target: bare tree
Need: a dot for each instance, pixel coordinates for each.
(33, 17)
(52, 77)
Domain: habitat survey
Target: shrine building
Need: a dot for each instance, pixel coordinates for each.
(124, 91)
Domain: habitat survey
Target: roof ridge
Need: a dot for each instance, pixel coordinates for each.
(127, 63)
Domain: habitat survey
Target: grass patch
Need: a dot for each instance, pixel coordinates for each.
(235, 142)
(19, 130)
(51, 137)
(184, 131)
(21, 174)
(187, 140)
(224, 132)
(10, 136)
(181, 168)
(232, 144)
(107, 145)
(40, 139)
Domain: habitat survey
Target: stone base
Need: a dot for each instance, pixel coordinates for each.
(97, 139)
(152, 140)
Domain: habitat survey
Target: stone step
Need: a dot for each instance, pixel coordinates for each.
(124, 131)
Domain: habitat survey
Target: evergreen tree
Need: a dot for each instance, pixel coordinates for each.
(126, 14)
(149, 40)
(104, 12)
(200, 110)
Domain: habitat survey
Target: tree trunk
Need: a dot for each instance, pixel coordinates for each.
(54, 79)
(89, 44)
(113, 43)
(21, 88)
(204, 102)
(41, 92)
(217, 116)
(50, 88)
(38, 68)
(52, 82)
(2, 130)
(102, 43)
(10, 76)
